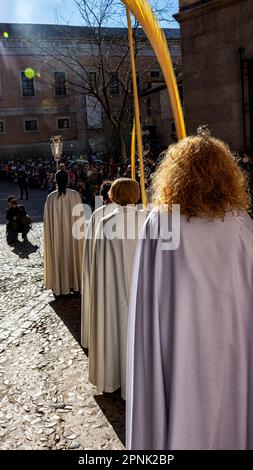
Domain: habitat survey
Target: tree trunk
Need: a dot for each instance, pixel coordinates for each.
(123, 152)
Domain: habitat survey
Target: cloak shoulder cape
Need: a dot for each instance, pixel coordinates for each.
(190, 346)
(110, 292)
(62, 251)
(96, 217)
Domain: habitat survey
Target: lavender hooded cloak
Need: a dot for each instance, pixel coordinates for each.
(190, 342)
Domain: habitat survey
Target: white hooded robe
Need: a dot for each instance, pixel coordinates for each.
(62, 251)
(190, 346)
(96, 217)
(111, 280)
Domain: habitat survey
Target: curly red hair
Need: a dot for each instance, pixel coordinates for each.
(202, 175)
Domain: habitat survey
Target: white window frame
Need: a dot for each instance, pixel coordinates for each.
(62, 128)
(21, 87)
(2, 121)
(31, 119)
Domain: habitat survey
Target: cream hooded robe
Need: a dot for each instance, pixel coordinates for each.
(96, 217)
(111, 280)
(62, 251)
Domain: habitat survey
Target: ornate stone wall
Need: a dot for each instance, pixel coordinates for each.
(212, 32)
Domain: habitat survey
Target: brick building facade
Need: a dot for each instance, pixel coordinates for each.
(37, 101)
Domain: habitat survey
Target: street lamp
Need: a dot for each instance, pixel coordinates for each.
(56, 142)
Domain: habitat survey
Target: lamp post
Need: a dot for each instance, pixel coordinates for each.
(56, 142)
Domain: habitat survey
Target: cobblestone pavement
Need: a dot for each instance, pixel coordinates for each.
(46, 401)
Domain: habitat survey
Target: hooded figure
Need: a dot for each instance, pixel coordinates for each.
(113, 254)
(63, 247)
(96, 217)
(190, 347)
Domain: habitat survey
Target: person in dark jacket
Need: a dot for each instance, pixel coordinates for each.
(24, 222)
(22, 182)
(18, 221)
(12, 220)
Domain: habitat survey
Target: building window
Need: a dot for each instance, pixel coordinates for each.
(114, 83)
(63, 123)
(27, 85)
(155, 74)
(60, 84)
(31, 125)
(2, 127)
(92, 78)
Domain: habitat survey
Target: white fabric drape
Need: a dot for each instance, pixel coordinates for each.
(96, 217)
(110, 292)
(62, 252)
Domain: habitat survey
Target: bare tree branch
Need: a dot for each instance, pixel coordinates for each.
(107, 56)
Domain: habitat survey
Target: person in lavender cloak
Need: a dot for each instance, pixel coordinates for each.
(190, 346)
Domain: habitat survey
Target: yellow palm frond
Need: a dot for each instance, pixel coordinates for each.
(144, 14)
(133, 171)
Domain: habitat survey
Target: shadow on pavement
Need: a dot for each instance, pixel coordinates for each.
(24, 249)
(113, 407)
(68, 309)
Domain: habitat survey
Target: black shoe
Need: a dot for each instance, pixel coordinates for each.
(12, 242)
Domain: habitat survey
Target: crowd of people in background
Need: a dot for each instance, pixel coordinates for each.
(84, 177)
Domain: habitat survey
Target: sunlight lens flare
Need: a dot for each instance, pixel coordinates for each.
(29, 73)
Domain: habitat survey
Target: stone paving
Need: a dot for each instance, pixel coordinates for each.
(46, 401)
